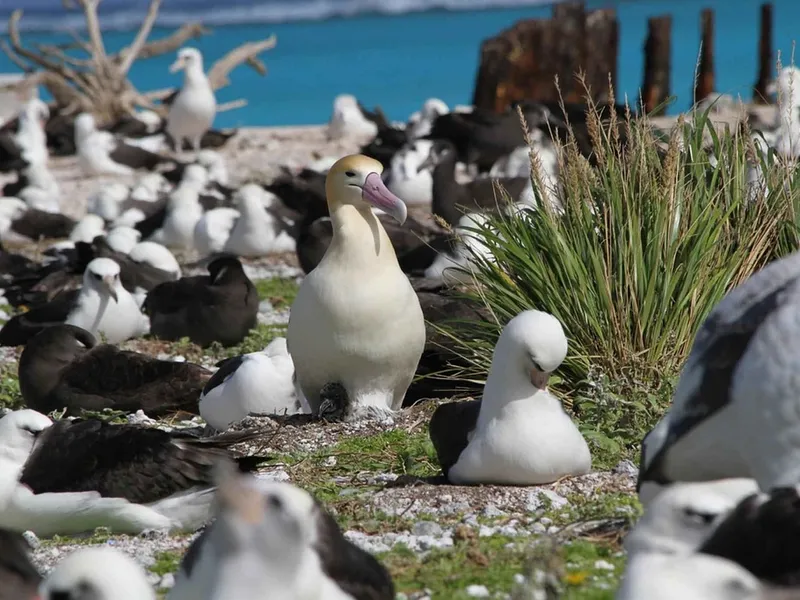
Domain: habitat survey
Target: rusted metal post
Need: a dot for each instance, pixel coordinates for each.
(704, 85)
(655, 87)
(765, 61)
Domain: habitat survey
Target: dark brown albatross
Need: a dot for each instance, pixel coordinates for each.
(64, 367)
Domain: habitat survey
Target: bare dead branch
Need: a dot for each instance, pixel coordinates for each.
(232, 105)
(93, 27)
(33, 57)
(48, 50)
(158, 94)
(129, 54)
(246, 53)
(80, 42)
(172, 42)
(14, 57)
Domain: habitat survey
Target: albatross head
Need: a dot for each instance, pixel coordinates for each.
(102, 275)
(36, 111)
(189, 59)
(18, 433)
(101, 573)
(266, 517)
(536, 341)
(356, 180)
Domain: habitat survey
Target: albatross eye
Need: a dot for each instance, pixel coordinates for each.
(274, 502)
(350, 173)
(703, 518)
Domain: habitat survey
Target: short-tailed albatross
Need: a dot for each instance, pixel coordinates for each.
(63, 367)
(74, 476)
(356, 330)
(739, 383)
(518, 433)
(274, 536)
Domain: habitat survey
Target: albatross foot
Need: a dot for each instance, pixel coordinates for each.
(334, 402)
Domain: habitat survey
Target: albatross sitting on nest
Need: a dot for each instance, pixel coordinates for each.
(74, 476)
(193, 109)
(518, 433)
(356, 330)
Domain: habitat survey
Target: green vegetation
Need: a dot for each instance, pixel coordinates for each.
(279, 291)
(10, 396)
(647, 243)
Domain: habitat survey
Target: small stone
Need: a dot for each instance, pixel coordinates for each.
(329, 461)
(604, 565)
(470, 520)
(32, 540)
(276, 475)
(540, 498)
(179, 358)
(546, 521)
(477, 591)
(519, 578)
(167, 581)
(538, 528)
(625, 467)
(426, 528)
(553, 529)
(490, 511)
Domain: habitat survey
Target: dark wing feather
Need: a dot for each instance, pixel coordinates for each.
(356, 572)
(449, 427)
(18, 330)
(132, 274)
(141, 464)
(762, 537)
(35, 224)
(130, 381)
(173, 296)
(226, 368)
(720, 343)
(136, 157)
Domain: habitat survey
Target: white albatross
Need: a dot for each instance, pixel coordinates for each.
(99, 573)
(213, 229)
(522, 435)
(193, 110)
(258, 231)
(30, 137)
(356, 331)
(348, 120)
(258, 382)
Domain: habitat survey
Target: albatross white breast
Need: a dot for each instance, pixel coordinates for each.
(522, 435)
(194, 108)
(356, 330)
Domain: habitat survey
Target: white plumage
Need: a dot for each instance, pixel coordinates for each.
(193, 110)
(262, 383)
(183, 210)
(104, 307)
(347, 120)
(420, 123)
(212, 231)
(30, 136)
(406, 179)
(156, 255)
(42, 191)
(123, 239)
(523, 435)
(93, 148)
(88, 228)
(356, 322)
(258, 231)
(458, 266)
(101, 573)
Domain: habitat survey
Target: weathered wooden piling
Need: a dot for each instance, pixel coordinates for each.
(655, 85)
(704, 80)
(522, 63)
(765, 60)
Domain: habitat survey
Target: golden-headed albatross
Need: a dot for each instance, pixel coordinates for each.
(356, 330)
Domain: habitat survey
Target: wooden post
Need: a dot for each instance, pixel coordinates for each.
(655, 88)
(602, 51)
(704, 85)
(765, 61)
(568, 49)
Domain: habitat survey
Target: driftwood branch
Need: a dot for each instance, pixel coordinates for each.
(232, 105)
(14, 57)
(93, 27)
(130, 54)
(16, 45)
(54, 51)
(172, 42)
(246, 53)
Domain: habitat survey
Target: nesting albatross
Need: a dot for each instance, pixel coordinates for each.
(64, 367)
(193, 109)
(356, 330)
(219, 307)
(518, 433)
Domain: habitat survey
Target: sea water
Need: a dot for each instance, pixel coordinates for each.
(397, 53)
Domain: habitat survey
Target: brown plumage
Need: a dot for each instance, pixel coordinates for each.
(63, 367)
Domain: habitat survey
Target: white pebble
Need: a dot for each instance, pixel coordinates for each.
(605, 565)
(477, 591)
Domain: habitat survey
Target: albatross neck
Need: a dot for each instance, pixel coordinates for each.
(359, 239)
(194, 77)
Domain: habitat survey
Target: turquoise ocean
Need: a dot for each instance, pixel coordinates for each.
(397, 53)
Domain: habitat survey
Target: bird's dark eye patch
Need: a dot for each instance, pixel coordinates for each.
(350, 173)
(274, 502)
(97, 276)
(703, 517)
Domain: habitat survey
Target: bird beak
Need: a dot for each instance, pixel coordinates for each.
(108, 280)
(539, 379)
(176, 66)
(378, 195)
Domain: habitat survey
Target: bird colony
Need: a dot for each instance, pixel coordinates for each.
(717, 474)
